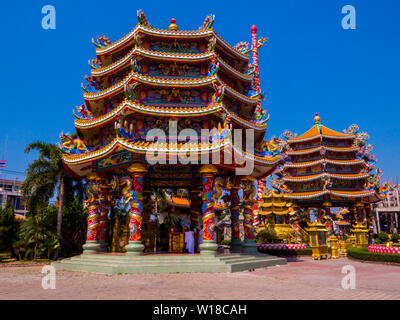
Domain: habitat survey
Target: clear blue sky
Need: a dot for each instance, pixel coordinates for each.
(310, 64)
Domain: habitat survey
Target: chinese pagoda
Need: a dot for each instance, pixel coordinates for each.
(276, 211)
(147, 101)
(324, 168)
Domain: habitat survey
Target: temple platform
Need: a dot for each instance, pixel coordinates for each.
(166, 263)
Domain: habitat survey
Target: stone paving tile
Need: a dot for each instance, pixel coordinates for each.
(299, 280)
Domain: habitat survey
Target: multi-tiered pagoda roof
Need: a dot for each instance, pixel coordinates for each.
(151, 76)
(323, 165)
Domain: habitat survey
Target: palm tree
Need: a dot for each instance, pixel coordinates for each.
(35, 230)
(43, 176)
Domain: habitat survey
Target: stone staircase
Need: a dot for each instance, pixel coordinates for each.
(118, 264)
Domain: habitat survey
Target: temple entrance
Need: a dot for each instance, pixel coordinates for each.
(172, 225)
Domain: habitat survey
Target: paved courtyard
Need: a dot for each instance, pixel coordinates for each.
(302, 279)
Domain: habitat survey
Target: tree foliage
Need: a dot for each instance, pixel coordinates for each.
(45, 179)
(37, 233)
(8, 230)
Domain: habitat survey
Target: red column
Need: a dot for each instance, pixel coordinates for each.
(135, 196)
(208, 247)
(92, 203)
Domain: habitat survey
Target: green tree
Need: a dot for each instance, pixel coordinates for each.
(267, 235)
(38, 232)
(383, 237)
(8, 229)
(46, 176)
(74, 226)
(395, 237)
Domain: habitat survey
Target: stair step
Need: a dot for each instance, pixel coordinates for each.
(166, 264)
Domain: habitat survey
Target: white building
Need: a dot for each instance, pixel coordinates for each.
(387, 212)
(10, 190)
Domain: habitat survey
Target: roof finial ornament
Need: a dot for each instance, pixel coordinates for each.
(173, 26)
(317, 119)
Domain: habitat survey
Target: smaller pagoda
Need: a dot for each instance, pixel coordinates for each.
(323, 168)
(275, 213)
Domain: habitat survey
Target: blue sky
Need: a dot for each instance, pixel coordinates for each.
(311, 64)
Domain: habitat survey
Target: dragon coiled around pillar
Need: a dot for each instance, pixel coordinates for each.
(92, 194)
(133, 195)
(261, 41)
(125, 184)
(249, 191)
(92, 203)
(219, 184)
(208, 208)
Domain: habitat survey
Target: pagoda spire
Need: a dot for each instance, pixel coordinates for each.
(317, 118)
(173, 26)
(317, 121)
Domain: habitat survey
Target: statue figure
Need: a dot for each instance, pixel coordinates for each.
(94, 63)
(129, 91)
(174, 45)
(279, 185)
(135, 66)
(211, 44)
(163, 95)
(243, 47)
(82, 109)
(173, 70)
(90, 84)
(218, 94)
(186, 96)
(186, 46)
(271, 147)
(185, 70)
(326, 182)
(175, 95)
(72, 145)
(213, 68)
(102, 41)
(142, 19)
(208, 22)
(162, 69)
